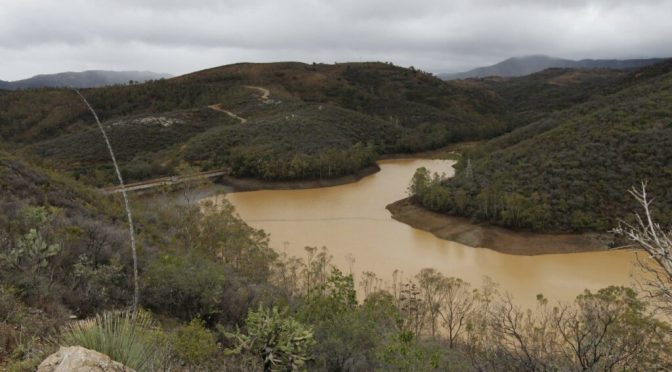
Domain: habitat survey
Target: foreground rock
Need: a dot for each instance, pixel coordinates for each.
(79, 359)
(463, 231)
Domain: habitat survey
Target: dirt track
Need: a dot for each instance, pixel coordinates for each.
(218, 107)
(265, 93)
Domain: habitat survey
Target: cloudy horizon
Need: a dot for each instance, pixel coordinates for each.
(175, 37)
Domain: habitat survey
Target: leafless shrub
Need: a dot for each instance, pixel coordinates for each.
(657, 242)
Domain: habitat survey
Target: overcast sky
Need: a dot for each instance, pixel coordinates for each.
(171, 36)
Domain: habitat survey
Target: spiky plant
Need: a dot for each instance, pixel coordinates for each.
(280, 342)
(132, 339)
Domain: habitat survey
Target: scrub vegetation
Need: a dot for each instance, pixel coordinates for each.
(220, 297)
(570, 170)
(311, 110)
(214, 295)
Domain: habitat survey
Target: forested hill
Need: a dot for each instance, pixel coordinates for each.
(530, 98)
(521, 66)
(571, 171)
(83, 79)
(280, 120)
(237, 115)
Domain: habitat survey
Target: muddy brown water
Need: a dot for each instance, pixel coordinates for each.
(351, 221)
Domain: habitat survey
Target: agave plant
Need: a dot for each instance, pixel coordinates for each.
(132, 339)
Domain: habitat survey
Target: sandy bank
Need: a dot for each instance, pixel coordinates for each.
(253, 184)
(463, 231)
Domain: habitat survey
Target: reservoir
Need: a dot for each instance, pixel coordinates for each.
(352, 222)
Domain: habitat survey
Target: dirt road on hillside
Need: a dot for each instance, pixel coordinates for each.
(218, 107)
(265, 93)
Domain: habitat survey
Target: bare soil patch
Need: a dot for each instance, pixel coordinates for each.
(464, 231)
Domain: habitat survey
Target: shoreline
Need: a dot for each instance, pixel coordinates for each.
(234, 184)
(481, 235)
(255, 184)
(449, 152)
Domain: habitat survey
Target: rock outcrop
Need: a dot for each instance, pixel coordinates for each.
(79, 359)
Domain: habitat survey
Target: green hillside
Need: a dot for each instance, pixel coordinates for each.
(213, 283)
(311, 110)
(317, 121)
(310, 142)
(89, 243)
(571, 170)
(530, 98)
(144, 145)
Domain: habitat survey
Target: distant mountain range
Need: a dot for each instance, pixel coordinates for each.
(521, 66)
(84, 79)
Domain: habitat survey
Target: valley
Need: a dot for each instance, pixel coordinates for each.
(366, 201)
(335, 186)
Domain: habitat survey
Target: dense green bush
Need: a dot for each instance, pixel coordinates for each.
(186, 287)
(193, 343)
(192, 286)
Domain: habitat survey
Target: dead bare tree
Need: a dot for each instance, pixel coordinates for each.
(657, 242)
(131, 230)
(456, 308)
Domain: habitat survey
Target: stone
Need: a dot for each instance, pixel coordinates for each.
(79, 359)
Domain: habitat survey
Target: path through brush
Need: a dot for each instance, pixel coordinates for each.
(218, 107)
(265, 93)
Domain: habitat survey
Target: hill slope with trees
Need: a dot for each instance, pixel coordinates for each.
(83, 79)
(221, 298)
(571, 170)
(521, 66)
(163, 126)
(159, 125)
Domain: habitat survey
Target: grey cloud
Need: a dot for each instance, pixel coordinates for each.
(438, 35)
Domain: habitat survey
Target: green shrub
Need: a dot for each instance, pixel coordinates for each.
(281, 342)
(131, 339)
(28, 356)
(404, 353)
(187, 287)
(23, 331)
(193, 343)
